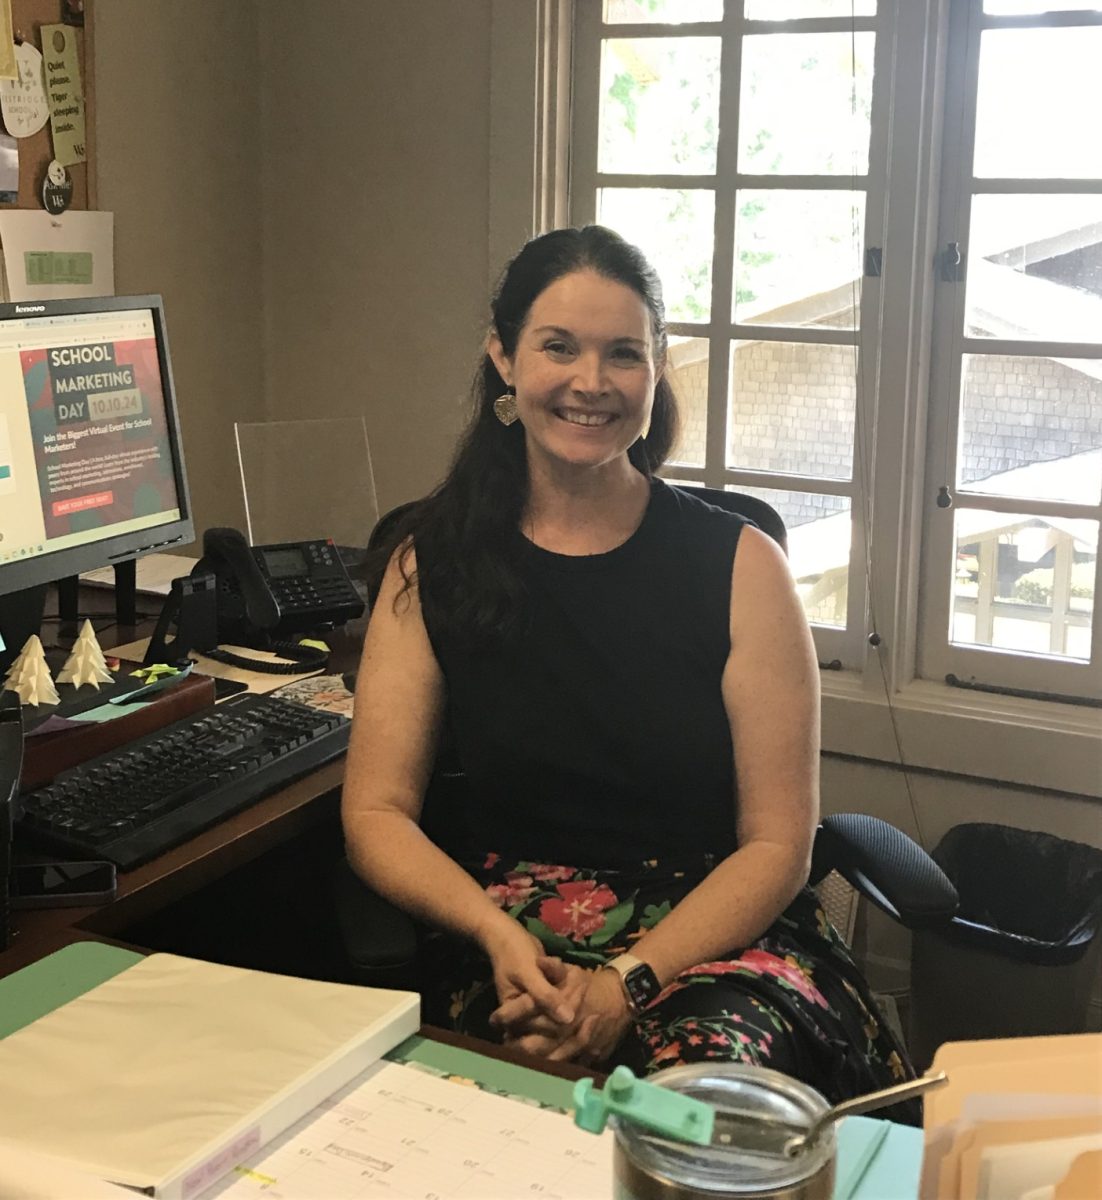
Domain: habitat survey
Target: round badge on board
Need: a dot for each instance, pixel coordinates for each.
(23, 100)
(57, 188)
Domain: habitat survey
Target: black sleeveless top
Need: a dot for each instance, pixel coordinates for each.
(599, 737)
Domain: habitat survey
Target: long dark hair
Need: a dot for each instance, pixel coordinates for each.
(468, 524)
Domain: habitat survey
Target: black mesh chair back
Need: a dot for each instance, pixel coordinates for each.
(762, 513)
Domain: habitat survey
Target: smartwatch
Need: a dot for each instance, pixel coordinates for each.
(641, 985)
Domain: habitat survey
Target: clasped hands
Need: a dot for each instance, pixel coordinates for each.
(554, 1009)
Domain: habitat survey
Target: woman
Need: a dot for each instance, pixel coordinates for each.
(630, 686)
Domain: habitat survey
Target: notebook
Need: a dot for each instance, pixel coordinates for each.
(170, 1073)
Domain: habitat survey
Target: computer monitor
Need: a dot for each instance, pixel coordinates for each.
(91, 466)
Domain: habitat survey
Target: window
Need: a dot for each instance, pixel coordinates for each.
(879, 226)
(1017, 381)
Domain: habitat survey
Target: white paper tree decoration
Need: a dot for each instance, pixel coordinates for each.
(86, 663)
(30, 677)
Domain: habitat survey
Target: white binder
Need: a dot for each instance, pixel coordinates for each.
(172, 1072)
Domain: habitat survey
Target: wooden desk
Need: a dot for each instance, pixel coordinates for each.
(297, 809)
(148, 889)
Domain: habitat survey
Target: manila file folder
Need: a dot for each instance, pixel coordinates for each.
(172, 1072)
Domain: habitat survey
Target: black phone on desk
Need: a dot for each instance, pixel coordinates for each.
(62, 884)
(287, 587)
(259, 597)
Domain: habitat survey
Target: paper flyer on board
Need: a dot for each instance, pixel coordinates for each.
(69, 256)
(64, 92)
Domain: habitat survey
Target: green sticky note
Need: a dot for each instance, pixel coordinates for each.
(107, 711)
(55, 266)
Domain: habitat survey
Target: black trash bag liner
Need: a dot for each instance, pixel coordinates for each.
(1023, 893)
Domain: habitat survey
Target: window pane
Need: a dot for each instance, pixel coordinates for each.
(1024, 583)
(666, 12)
(1035, 268)
(1023, 8)
(674, 230)
(1031, 427)
(819, 530)
(797, 257)
(791, 408)
(1045, 128)
(659, 105)
(805, 103)
(687, 368)
(786, 10)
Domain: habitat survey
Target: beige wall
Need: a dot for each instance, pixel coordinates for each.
(374, 165)
(177, 119)
(309, 192)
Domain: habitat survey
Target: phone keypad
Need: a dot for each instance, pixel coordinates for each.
(325, 588)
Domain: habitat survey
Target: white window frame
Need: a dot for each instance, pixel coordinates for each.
(938, 657)
(878, 710)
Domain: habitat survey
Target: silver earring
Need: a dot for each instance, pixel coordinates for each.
(505, 407)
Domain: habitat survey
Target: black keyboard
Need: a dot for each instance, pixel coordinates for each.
(158, 791)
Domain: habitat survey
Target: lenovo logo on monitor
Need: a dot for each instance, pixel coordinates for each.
(29, 308)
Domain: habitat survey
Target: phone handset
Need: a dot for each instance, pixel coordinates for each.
(243, 596)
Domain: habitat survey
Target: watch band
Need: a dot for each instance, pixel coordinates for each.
(641, 985)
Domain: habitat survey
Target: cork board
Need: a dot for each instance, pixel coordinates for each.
(36, 151)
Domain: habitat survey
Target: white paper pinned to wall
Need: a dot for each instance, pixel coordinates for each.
(63, 257)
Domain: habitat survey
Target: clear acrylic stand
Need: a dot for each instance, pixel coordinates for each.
(308, 479)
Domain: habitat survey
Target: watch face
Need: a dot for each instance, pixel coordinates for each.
(642, 985)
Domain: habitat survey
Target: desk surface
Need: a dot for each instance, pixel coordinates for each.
(147, 890)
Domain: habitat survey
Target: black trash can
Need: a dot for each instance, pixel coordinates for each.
(1022, 955)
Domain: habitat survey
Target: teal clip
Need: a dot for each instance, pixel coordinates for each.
(658, 1108)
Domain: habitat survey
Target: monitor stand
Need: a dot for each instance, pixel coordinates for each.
(126, 595)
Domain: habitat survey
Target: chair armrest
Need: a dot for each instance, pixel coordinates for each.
(380, 940)
(886, 866)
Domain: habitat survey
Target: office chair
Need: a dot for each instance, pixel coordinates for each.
(881, 862)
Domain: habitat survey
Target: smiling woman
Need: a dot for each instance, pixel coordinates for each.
(626, 677)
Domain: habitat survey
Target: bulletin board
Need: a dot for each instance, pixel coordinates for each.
(36, 151)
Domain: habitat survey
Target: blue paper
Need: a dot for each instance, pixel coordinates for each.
(877, 1160)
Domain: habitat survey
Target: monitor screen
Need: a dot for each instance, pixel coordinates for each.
(91, 470)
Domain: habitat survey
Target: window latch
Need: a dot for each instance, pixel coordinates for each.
(874, 262)
(952, 263)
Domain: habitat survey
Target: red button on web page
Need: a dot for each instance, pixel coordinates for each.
(77, 503)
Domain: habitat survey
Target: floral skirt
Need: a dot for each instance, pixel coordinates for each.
(793, 1001)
